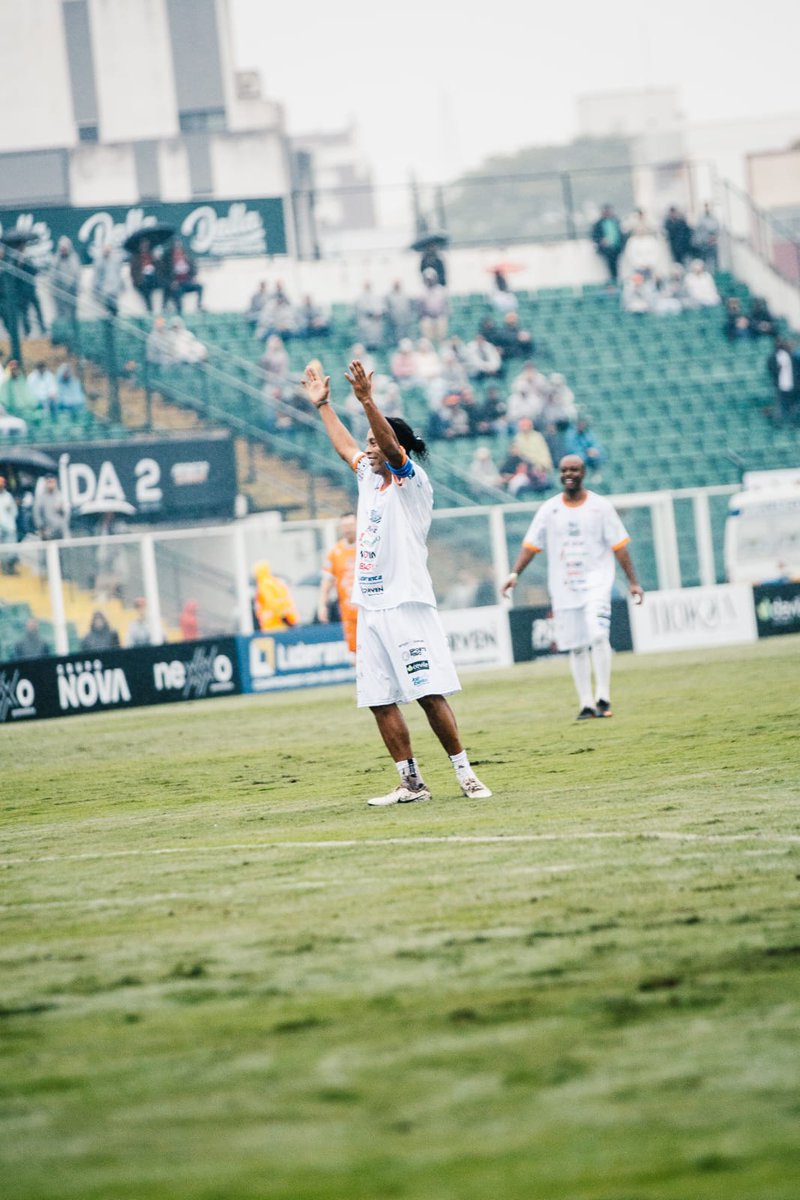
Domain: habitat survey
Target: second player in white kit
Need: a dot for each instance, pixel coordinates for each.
(584, 539)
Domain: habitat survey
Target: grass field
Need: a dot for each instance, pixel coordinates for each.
(224, 977)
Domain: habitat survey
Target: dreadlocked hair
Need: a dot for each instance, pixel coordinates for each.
(407, 438)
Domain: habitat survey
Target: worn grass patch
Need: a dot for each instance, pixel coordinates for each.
(223, 977)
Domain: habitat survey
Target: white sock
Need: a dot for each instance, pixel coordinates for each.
(461, 764)
(408, 771)
(581, 666)
(601, 661)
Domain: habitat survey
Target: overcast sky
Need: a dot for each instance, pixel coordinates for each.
(436, 86)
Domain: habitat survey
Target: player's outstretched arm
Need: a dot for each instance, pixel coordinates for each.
(634, 587)
(384, 435)
(523, 558)
(318, 389)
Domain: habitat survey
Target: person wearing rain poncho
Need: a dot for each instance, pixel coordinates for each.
(274, 607)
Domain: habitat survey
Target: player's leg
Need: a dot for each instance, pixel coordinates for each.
(572, 635)
(442, 721)
(598, 619)
(377, 688)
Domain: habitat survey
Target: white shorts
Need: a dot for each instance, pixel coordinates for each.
(576, 628)
(402, 654)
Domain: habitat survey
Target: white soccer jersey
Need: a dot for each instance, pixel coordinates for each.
(392, 527)
(579, 540)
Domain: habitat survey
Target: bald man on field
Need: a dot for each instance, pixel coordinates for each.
(584, 539)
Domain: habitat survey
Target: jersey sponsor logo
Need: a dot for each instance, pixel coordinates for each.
(421, 664)
(375, 517)
(376, 590)
(414, 652)
(369, 537)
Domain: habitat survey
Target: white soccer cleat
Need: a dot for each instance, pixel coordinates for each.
(473, 789)
(400, 795)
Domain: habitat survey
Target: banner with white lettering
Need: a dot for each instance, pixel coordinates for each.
(478, 637)
(95, 682)
(292, 658)
(777, 608)
(161, 479)
(533, 633)
(212, 229)
(685, 618)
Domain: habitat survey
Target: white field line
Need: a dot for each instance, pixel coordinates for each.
(419, 840)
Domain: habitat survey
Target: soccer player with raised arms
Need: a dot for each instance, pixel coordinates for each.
(583, 536)
(402, 652)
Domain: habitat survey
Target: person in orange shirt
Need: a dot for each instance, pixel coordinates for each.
(274, 606)
(338, 573)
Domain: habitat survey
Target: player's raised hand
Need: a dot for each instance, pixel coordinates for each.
(317, 387)
(359, 381)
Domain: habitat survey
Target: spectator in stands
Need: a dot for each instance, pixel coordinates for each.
(186, 348)
(188, 622)
(519, 478)
(529, 392)
(639, 293)
(277, 314)
(531, 446)
(490, 417)
(369, 310)
(434, 307)
(679, 235)
(782, 367)
(483, 471)
(181, 272)
(559, 405)
(669, 296)
(609, 240)
(274, 362)
(11, 426)
(429, 365)
(580, 441)
(642, 251)
(274, 605)
(100, 635)
(256, 306)
(139, 629)
(399, 310)
(312, 320)
(762, 322)
(737, 325)
(448, 419)
(70, 396)
(432, 261)
(510, 338)
(501, 298)
(706, 238)
(15, 394)
(699, 286)
(32, 644)
(65, 279)
(403, 363)
(148, 272)
(107, 279)
(50, 510)
(27, 295)
(483, 360)
(43, 387)
(112, 568)
(8, 525)
(160, 345)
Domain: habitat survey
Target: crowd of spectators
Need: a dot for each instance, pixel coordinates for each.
(41, 392)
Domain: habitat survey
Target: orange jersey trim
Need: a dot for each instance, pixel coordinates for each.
(533, 549)
(619, 545)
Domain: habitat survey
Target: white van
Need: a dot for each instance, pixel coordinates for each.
(762, 532)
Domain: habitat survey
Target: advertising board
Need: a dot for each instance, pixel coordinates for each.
(685, 618)
(113, 679)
